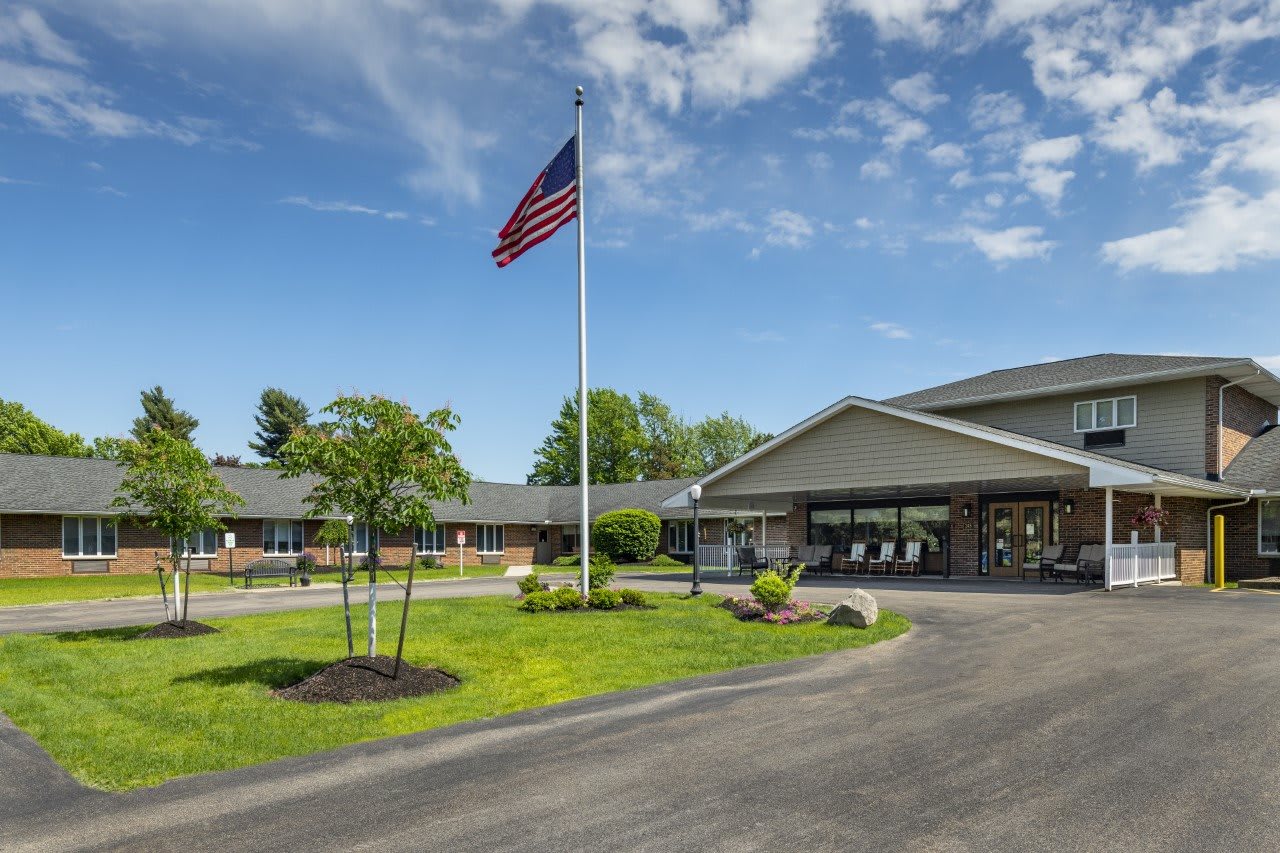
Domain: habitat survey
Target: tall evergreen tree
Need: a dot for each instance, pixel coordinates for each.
(279, 413)
(160, 412)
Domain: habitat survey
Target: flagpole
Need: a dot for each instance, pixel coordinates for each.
(584, 527)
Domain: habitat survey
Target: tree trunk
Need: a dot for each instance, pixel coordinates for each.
(404, 614)
(372, 557)
(186, 595)
(164, 595)
(347, 569)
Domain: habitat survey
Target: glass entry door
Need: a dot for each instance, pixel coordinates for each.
(1017, 535)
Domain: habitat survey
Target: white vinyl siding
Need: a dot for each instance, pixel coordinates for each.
(88, 536)
(429, 541)
(489, 539)
(281, 537)
(1112, 413)
(1269, 528)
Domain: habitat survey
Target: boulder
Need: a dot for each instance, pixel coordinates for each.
(859, 609)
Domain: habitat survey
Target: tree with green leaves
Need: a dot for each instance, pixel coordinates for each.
(170, 487)
(722, 439)
(381, 462)
(670, 446)
(159, 412)
(614, 442)
(279, 414)
(22, 432)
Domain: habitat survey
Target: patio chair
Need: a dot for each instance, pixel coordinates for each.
(1050, 557)
(748, 561)
(856, 562)
(821, 559)
(804, 554)
(910, 562)
(1075, 568)
(880, 565)
(1094, 566)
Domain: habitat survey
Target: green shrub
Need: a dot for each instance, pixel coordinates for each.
(664, 561)
(565, 560)
(567, 598)
(539, 602)
(601, 574)
(604, 599)
(633, 597)
(529, 583)
(627, 535)
(771, 590)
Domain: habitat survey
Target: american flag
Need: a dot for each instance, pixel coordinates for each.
(550, 202)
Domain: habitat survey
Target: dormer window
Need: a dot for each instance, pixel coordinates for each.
(1115, 413)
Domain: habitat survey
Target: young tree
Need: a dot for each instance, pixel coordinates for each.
(614, 442)
(335, 533)
(723, 439)
(670, 445)
(160, 413)
(279, 414)
(170, 487)
(380, 462)
(22, 432)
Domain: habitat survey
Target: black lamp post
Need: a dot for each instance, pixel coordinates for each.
(695, 492)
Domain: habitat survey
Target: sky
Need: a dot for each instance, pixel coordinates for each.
(786, 202)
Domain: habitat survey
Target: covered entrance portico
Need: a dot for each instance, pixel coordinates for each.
(983, 501)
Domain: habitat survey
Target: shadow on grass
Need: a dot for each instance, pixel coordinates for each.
(273, 673)
(129, 633)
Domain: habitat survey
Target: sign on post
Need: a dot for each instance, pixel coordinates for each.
(462, 540)
(230, 539)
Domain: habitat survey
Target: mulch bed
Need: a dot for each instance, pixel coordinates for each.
(177, 630)
(367, 679)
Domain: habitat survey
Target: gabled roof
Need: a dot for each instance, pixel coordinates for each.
(1258, 464)
(1103, 470)
(1108, 370)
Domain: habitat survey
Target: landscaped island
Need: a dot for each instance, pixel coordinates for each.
(106, 709)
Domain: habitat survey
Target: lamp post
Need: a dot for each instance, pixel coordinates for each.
(695, 492)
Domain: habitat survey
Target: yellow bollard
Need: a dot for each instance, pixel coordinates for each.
(1219, 552)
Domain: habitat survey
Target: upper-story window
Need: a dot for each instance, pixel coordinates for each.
(1115, 413)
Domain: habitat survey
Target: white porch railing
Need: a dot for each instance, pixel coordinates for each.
(1149, 562)
(726, 556)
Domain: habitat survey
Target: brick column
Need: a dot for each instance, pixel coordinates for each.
(964, 535)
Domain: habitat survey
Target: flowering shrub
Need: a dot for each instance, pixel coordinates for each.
(307, 562)
(751, 610)
(1150, 517)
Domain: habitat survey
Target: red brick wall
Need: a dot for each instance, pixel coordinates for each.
(1087, 524)
(965, 534)
(1244, 415)
(1242, 558)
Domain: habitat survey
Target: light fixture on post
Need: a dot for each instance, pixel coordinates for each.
(695, 493)
(1069, 506)
(966, 510)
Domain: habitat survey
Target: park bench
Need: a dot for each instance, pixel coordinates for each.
(270, 568)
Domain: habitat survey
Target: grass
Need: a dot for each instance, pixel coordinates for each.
(94, 587)
(121, 715)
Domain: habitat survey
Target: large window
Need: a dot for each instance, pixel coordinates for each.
(569, 538)
(489, 539)
(929, 524)
(838, 526)
(281, 537)
(360, 532)
(429, 541)
(830, 527)
(1269, 527)
(88, 536)
(202, 544)
(874, 525)
(1116, 413)
(680, 539)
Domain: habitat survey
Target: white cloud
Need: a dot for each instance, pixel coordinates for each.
(93, 165)
(917, 92)
(1140, 128)
(892, 331)
(1036, 167)
(24, 31)
(948, 155)
(876, 170)
(864, 223)
(900, 129)
(923, 21)
(788, 229)
(109, 190)
(1270, 362)
(1222, 230)
(1011, 244)
(993, 110)
(722, 219)
(994, 200)
(819, 161)
(345, 207)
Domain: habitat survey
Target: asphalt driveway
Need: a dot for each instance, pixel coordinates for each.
(1009, 718)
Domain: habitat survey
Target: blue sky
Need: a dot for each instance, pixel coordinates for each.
(787, 201)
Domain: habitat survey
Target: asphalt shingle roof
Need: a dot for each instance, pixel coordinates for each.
(1039, 377)
(1258, 465)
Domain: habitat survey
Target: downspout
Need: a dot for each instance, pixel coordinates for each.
(1208, 530)
(1218, 471)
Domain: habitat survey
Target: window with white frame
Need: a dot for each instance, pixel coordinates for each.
(429, 541)
(202, 544)
(680, 537)
(1115, 413)
(489, 539)
(569, 538)
(88, 536)
(360, 533)
(281, 536)
(1269, 528)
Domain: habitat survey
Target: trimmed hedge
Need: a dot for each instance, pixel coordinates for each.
(627, 535)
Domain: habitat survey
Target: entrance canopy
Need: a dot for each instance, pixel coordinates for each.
(860, 448)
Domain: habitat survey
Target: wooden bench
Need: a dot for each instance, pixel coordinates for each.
(270, 568)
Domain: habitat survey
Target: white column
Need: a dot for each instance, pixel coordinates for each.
(764, 530)
(1157, 526)
(1106, 570)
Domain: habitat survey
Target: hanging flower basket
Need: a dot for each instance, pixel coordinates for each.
(1150, 517)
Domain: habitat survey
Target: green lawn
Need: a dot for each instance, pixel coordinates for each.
(120, 714)
(91, 587)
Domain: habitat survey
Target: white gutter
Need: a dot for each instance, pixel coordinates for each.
(1220, 403)
(1208, 529)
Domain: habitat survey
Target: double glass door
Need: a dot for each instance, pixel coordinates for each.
(1017, 534)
